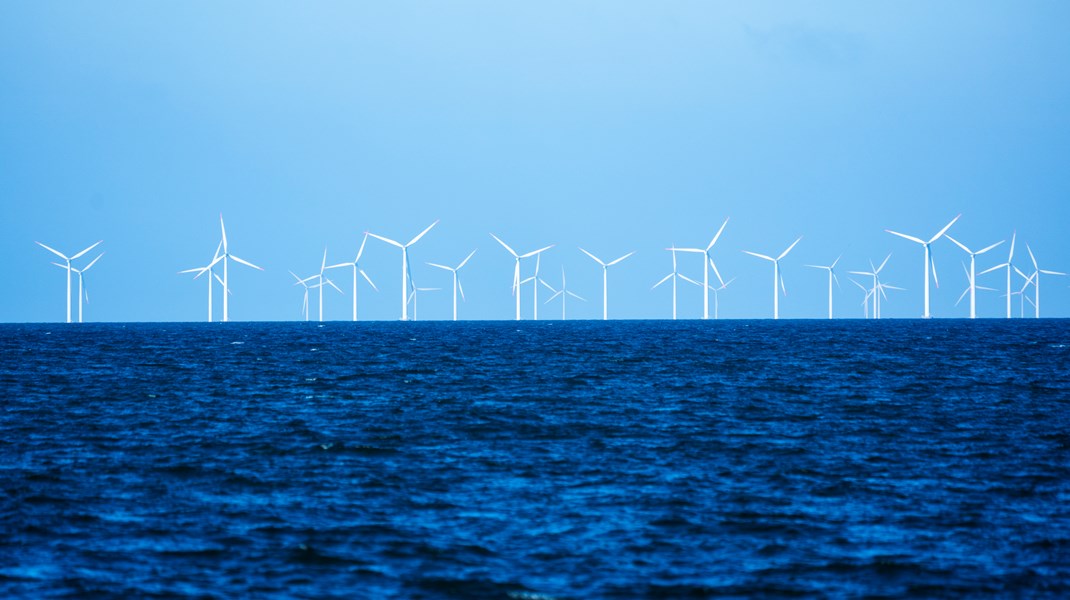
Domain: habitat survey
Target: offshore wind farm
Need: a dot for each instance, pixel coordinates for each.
(472, 299)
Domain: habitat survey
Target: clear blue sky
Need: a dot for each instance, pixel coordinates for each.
(615, 126)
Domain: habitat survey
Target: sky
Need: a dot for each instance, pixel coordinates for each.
(615, 126)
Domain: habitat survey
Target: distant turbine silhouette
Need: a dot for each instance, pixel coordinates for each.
(1036, 279)
(832, 276)
(81, 291)
(929, 262)
(404, 266)
(707, 262)
(516, 267)
(67, 265)
(605, 286)
(211, 275)
(674, 275)
(1009, 265)
(971, 273)
(563, 292)
(456, 282)
(227, 257)
(356, 269)
(777, 277)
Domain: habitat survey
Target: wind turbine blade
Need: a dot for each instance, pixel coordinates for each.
(905, 236)
(532, 278)
(892, 287)
(1019, 271)
(1032, 257)
(964, 292)
(986, 271)
(959, 244)
(547, 285)
(782, 288)
(551, 298)
(689, 280)
(194, 270)
(987, 289)
(860, 286)
(785, 253)
(944, 230)
(53, 251)
(664, 279)
(218, 278)
(1010, 256)
(92, 262)
(598, 260)
(466, 259)
(79, 255)
(368, 279)
(833, 265)
(215, 261)
(836, 279)
(535, 252)
(620, 259)
(422, 233)
(769, 258)
(460, 288)
(506, 246)
(360, 251)
(717, 273)
(331, 283)
(691, 250)
(73, 269)
(299, 280)
(338, 266)
(1045, 271)
(884, 262)
(986, 249)
(438, 266)
(218, 247)
(387, 240)
(866, 273)
(716, 235)
(576, 296)
(932, 263)
(323, 264)
(245, 262)
(727, 283)
(816, 267)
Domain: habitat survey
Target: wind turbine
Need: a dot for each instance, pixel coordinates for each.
(81, 292)
(412, 296)
(67, 265)
(516, 268)
(356, 269)
(456, 282)
(605, 288)
(1036, 283)
(404, 266)
(971, 289)
(877, 288)
(534, 279)
(1021, 293)
(865, 301)
(971, 274)
(324, 281)
(707, 262)
(303, 283)
(777, 277)
(211, 275)
(1007, 265)
(674, 275)
(563, 292)
(928, 258)
(832, 275)
(716, 296)
(227, 257)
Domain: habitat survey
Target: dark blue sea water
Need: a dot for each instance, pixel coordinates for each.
(536, 460)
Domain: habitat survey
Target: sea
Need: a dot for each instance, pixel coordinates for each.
(536, 460)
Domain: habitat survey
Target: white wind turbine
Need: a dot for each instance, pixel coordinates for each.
(716, 296)
(67, 265)
(1036, 281)
(211, 275)
(878, 289)
(356, 269)
(674, 275)
(1022, 297)
(971, 274)
(928, 258)
(777, 277)
(456, 281)
(865, 300)
(516, 268)
(322, 281)
(563, 292)
(227, 257)
(412, 295)
(404, 266)
(81, 291)
(303, 283)
(534, 279)
(1009, 265)
(707, 263)
(971, 289)
(605, 278)
(832, 275)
